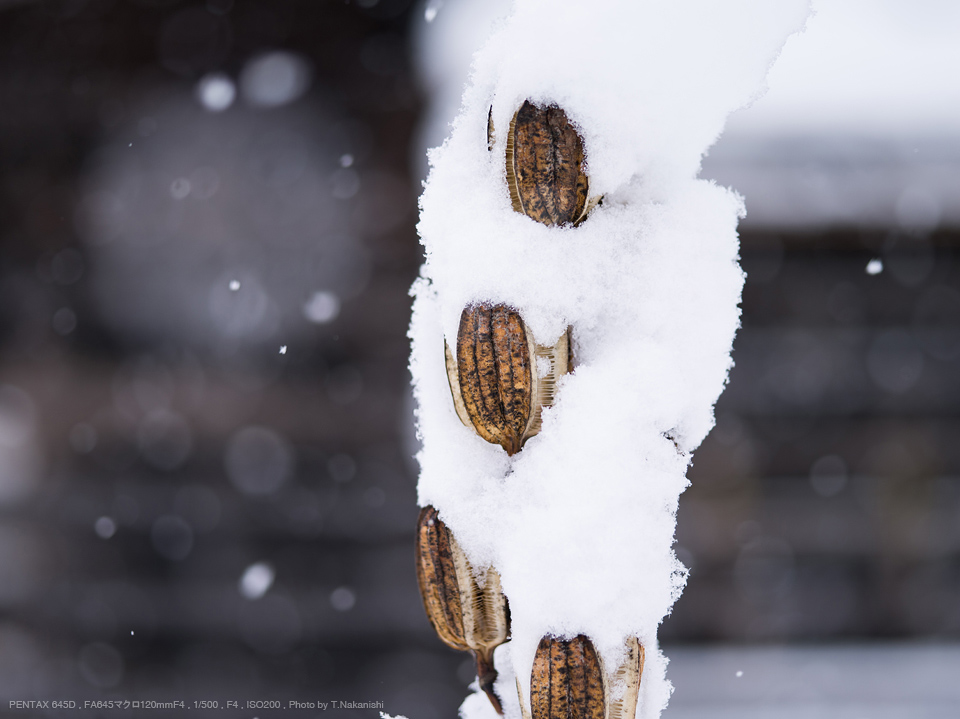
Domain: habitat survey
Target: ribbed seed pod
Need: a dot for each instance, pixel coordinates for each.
(544, 164)
(467, 614)
(569, 681)
(495, 377)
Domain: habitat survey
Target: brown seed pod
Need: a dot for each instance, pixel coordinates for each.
(544, 160)
(495, 378)
(467, 612)
(569, 681)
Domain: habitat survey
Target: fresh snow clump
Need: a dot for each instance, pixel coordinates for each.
(580, 523)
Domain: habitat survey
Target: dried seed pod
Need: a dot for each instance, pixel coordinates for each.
(491, 133)
(496, 377)
(569, 681)
(626, 680)
(467, 614)
(545, 166)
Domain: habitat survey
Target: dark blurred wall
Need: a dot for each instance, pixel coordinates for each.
(825, 503)
(207, 488)
(206, 479)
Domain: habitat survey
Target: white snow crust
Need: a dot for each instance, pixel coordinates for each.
(580, 523)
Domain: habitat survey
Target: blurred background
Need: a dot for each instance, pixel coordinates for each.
(207, 489)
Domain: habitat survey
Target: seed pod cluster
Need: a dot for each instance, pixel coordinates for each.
(468, 611)
(501, 380)
(568, 681)
(495, 378)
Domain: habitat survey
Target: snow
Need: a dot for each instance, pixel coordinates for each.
(216, 92)
(430, 12)
(343, 599)
(322, 307)
(867, 67)
(580, 523)
(276, 78)
(105, 527)
(860, 127)
(256, 580)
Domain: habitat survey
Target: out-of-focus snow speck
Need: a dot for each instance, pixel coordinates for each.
(346, 160)
(105, 527)
(64, 321)
(322, 307)
(180, 188)
(258, 460)
(256, 580)
(828, 475)
(216, 92)
(739, 674)
(875, 266)
(20, 457)
(283, 349)
(430, 12)
(273, 79)
(234, 285)
(343, 599)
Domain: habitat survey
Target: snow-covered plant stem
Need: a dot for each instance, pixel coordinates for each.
(567, 351)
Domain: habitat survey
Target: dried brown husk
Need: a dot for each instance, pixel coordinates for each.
(491, 132)
(625, 683)
(494, 378)
(545, 166)
(569, 681)
(468, 611)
